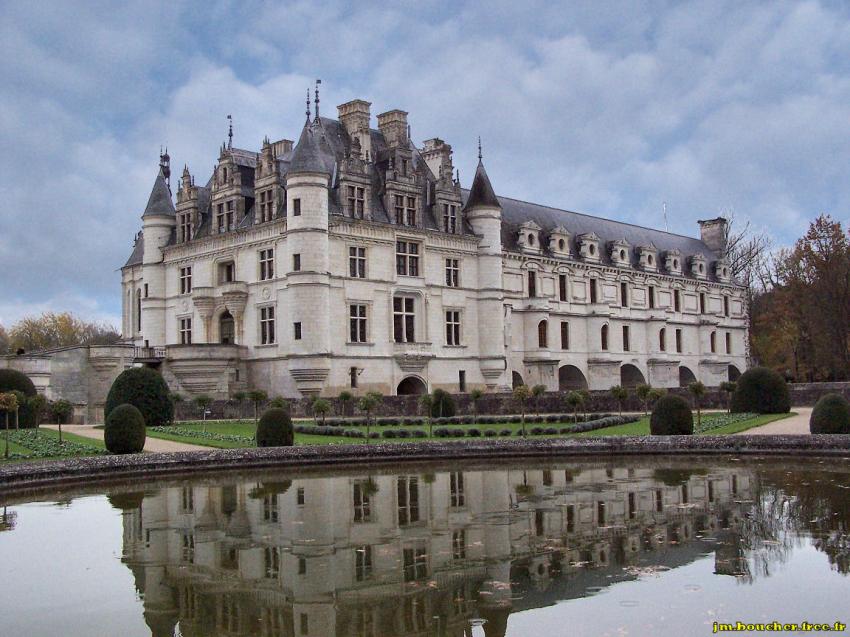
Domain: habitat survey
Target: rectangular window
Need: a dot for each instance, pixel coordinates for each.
(271, 512)
(399, 209)
(221, 223)
(725, 306)
(405, 210)
(461, 380)
(679, 341)
(271, 560)
(415, 563)
(403, 320)
(146, 290)
(227, 272)
(302, 566)
(593, 291)
(229, 213)
(186, 331)
(266, 264)
(296, 262)
(457, 494)
(362, 501)
(651, 295)
(450, 218)
(407, 258)
(571, 518)
(453, 327)
(532, 283)
(296, 328)
(186, 280)
(626, 344)
(701, 303)
(300, 496)
(408, 500)
(184, 232)
(363, 563)
(356, 201)
(266, 199)
(632, 505)
(565, 335)
(296, 207)
(459, 544)
(410, 211)
(713, 342)
(624, 294)
(728, 343)
(677, 301)
(357, 262)
(187, 500)
(267, 331)
(562, 287)
(452, 273)
(188, 548)
(352, 373)
(357, 323)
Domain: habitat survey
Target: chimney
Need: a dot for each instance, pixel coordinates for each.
(355, 118)
(437, 153)
(281, 147)
(393, 126)
(713, 233)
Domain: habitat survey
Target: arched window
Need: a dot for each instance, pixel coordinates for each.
(713, 339)
(604, 337)
(662, 340)
(542, 334)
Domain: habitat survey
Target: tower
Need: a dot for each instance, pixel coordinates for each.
(158, 222)
(484, 213)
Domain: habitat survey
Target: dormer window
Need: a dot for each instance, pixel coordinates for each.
(648, 258)
(266, 202)
(529, 237)
(673, 262)
(184, 227)
(698, 268)
(721, 270)
(559, 241)
(450, 218)
(405, 210)
(620, 253)
(356, 199)
(588, 245)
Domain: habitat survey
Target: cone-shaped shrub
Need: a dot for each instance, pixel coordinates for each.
(125, 430)
(671, 417)
(275, 429)
(146, 390)
(831, 415)
(762, 391)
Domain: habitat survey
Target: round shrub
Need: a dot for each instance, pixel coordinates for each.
(125, 430)
(13, 380)
(831, 415)
(374, 435)
(536, 431)
(389, 433)
(505, 432)
(146, 390)
(419, 433)
(275, 429)
(672, 416)
(550, 431)
(403, 433)
(473, 432)
(762, 391)
(490, 433)
(442, 404)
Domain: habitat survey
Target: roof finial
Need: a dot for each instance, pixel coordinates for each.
(317, 97)
(479, 148)
(308, 104)
(230, 133)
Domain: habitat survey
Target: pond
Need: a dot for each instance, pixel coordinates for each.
(627, 546)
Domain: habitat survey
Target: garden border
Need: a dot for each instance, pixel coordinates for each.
(35, 476)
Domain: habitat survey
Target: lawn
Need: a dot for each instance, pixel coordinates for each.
(40, 444)
(641, 427)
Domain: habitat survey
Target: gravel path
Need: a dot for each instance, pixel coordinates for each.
(151, 443)
(798, 424)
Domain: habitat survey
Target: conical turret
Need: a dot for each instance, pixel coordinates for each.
(159, 202)
(481, 194)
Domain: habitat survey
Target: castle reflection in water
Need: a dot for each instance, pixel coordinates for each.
(417, 554)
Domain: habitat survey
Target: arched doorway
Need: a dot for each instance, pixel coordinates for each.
(516, 380)
(686, 376)
(570, 378)
(226, 328)
(411, 385)
(734, 373)
(631, 376)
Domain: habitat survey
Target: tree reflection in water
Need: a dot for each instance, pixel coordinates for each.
(433, 554)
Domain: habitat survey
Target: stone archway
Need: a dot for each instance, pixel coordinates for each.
(686, 376)
(570, 378)
(631, 376)
(412, 385)
(734, 373)
(516, 380)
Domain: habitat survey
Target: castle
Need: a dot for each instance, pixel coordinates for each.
(354, 259)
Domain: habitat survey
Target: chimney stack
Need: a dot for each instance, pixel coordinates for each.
(713, 233)
(355, 118)
(393, 125)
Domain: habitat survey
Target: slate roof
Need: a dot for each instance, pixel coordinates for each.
(138, 251)
(313, 153)
(481, 193)
(159, 203)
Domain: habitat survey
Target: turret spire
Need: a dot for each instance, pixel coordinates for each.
(308, 105)
(230, 132)
(479, 148)
(317, 97)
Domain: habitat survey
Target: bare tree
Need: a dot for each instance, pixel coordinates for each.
(746, 249)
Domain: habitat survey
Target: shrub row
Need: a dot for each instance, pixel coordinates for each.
(420, 421)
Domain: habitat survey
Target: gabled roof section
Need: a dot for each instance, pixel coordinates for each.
(309, 156)
(481, 193)
(138, 251)
(159, 203)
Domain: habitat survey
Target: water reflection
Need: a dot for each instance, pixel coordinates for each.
(436, 554)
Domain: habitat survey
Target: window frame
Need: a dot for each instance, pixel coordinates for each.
(265, 258)
(184, 330)
(404, 319)
(407, 254)
(357, 262)
(268, 330)
(453, 327)
(452, 272)
(185, 278)
(358, 326)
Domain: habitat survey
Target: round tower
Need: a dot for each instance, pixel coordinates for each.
(484, 213)
(158, 223)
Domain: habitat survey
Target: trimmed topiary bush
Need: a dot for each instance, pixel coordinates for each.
(275, 429)
(125, 430)
(146, 390)
(671, 416)
(13, 380)
(442, 404)
(831, 415)
(473, 432)
(763, 391)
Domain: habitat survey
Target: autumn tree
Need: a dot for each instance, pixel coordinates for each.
(51, 330)
(4, 341)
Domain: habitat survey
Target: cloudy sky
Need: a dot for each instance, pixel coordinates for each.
(610, 108)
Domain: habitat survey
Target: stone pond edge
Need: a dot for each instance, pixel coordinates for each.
(37, 475)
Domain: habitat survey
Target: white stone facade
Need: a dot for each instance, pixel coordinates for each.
(478, 318)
